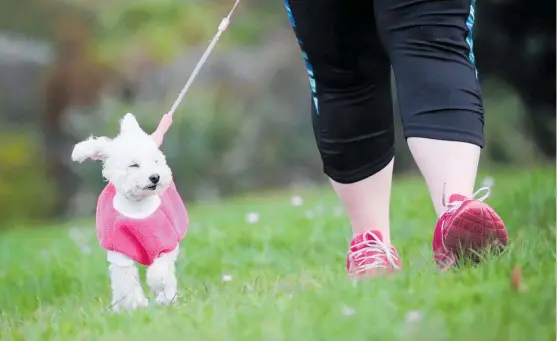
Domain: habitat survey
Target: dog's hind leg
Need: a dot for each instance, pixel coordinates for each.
(161, 278)
(127, 293)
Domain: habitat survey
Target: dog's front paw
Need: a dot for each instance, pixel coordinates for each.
(130, 302)
(166, 297)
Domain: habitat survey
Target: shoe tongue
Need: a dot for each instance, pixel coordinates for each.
(456, 197)
(358, 240)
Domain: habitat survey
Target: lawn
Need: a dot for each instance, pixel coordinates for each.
(261, 268)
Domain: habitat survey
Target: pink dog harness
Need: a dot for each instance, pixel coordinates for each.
(143, 240)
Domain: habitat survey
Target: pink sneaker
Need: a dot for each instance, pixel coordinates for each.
(467, 227)
(369, 256)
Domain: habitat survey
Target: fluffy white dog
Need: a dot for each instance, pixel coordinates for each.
(140, 215)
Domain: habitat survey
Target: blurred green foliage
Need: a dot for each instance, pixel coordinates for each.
(220, 146)
(507, 140)
(222, 141)
(161, 28)
(25, 192)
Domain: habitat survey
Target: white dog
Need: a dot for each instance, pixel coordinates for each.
(140, 215)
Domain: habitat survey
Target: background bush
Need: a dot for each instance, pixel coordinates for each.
(245, 125)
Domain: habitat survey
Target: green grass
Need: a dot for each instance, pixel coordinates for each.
(288, 277)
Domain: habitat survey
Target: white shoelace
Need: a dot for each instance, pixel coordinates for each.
(455, 205)
(379, 250)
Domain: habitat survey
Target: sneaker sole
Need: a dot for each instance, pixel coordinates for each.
(476, 228)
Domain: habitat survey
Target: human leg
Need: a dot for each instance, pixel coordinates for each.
(430, 46)
(352, 117)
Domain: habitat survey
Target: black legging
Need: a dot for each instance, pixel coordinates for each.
(349, 47)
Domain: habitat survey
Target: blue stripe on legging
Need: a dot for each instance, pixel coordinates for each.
(309, 68)
(470, 21)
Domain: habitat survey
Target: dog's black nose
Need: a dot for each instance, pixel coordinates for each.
(154, 178)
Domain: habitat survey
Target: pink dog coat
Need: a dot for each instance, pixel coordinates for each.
(143, 240)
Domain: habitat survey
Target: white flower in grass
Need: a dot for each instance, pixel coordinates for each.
(310, 214)
(413, 317)
(252, 217)
(320, 209)
(348, 311)
(297, 200)
(282, 287)
(226, 278)
(80, 239)
(488, 181)
(74, 234)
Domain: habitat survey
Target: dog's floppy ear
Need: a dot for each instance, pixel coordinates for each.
(129, 124)
(95, 148)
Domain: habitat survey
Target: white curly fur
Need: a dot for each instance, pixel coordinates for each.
(128, 161)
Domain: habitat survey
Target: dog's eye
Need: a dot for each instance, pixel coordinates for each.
(134, 165)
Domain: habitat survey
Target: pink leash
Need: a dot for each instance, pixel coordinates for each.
(166, 120)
